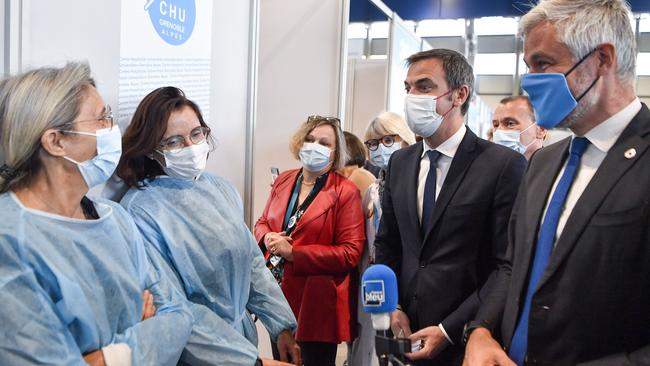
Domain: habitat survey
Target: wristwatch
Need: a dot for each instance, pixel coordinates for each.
(471, 325)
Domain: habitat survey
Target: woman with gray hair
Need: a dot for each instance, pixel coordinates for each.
(72, 270)
(385, 134)
(312, 234)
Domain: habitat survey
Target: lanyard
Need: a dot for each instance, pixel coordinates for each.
(292, 221)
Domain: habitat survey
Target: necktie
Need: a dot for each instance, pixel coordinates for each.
(544, 246)
(429, 199)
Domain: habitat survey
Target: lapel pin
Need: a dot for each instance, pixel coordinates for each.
(630, 153)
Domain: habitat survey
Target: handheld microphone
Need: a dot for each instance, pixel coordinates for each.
(379, 295)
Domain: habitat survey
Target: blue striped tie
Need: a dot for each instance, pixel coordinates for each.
(544, 247)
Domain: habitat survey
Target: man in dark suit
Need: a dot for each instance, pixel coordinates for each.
(575, 287)
(446, 205)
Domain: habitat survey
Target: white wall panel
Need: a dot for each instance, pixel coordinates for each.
(54, 32)
(299, 53)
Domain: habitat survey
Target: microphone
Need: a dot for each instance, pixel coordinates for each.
(379, 294)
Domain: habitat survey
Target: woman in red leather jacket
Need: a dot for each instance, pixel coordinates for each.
(312, 232)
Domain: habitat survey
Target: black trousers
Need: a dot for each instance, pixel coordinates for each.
(313, 353)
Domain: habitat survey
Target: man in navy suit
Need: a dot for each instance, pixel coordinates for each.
(446, 205)
(574, 288)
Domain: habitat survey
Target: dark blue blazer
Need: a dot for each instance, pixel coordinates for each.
(440, 271)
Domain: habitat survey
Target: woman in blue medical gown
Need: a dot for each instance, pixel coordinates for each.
(192, 223)
(72, 269)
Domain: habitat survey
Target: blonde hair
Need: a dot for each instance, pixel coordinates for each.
(584, 24)
(298, 139)
(389, 123)
(30, 104)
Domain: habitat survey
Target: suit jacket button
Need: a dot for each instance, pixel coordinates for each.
(546, 307)
(415, 297)
(422, 264)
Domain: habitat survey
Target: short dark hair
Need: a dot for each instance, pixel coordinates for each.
(145, 132)
(356, 150)
(515, 98)
(458, 71)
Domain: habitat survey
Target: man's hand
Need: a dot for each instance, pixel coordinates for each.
(287, 346)
(482, 349)
(95, 358)
(148, 308)
(434, 342)
(399, 324)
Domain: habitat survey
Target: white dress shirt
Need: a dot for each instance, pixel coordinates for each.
(601, 139)
(447, 152)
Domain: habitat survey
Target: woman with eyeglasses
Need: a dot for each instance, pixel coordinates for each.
(73, 269)
(193, 226)
(385, 134)
(312, 234)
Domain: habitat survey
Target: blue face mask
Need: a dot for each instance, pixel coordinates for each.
(109, 150)
(550, 95)
(314, 157)
(381, 156)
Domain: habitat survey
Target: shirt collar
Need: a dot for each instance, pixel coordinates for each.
(604, 136)
(449, 146)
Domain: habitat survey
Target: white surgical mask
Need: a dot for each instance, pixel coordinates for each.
(421, 115)
(186, 163)
(314, 157)
(382, 155)
(511, 139)
(109, 150)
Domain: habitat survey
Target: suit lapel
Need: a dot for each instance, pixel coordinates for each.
(324, 200)
(537, 191)
(462, 160)
(606, 177)
(410, 192)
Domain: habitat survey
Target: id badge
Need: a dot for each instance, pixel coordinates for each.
(275, 260)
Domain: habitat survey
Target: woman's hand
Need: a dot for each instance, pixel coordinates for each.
(279, 244)
(269, 237)
(148, 308)
(287, 346)
(95, 358)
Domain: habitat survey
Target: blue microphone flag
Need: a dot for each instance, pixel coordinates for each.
(379, 289)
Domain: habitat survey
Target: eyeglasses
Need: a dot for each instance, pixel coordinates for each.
(106, 118)
(174, 143)
(387, 141)
(314, 118)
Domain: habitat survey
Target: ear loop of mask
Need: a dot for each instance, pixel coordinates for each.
(452, 106)
(534, 139)
(578, 64)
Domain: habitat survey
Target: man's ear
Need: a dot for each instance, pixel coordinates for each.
(461, 96)
(540, 132)
(53, 143)
(606, 54)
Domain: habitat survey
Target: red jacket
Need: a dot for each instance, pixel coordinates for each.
(321, 284)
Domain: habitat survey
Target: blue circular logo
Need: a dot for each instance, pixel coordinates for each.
(172, 19)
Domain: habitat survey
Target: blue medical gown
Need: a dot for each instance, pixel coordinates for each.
(201, 240)
(69, 287)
